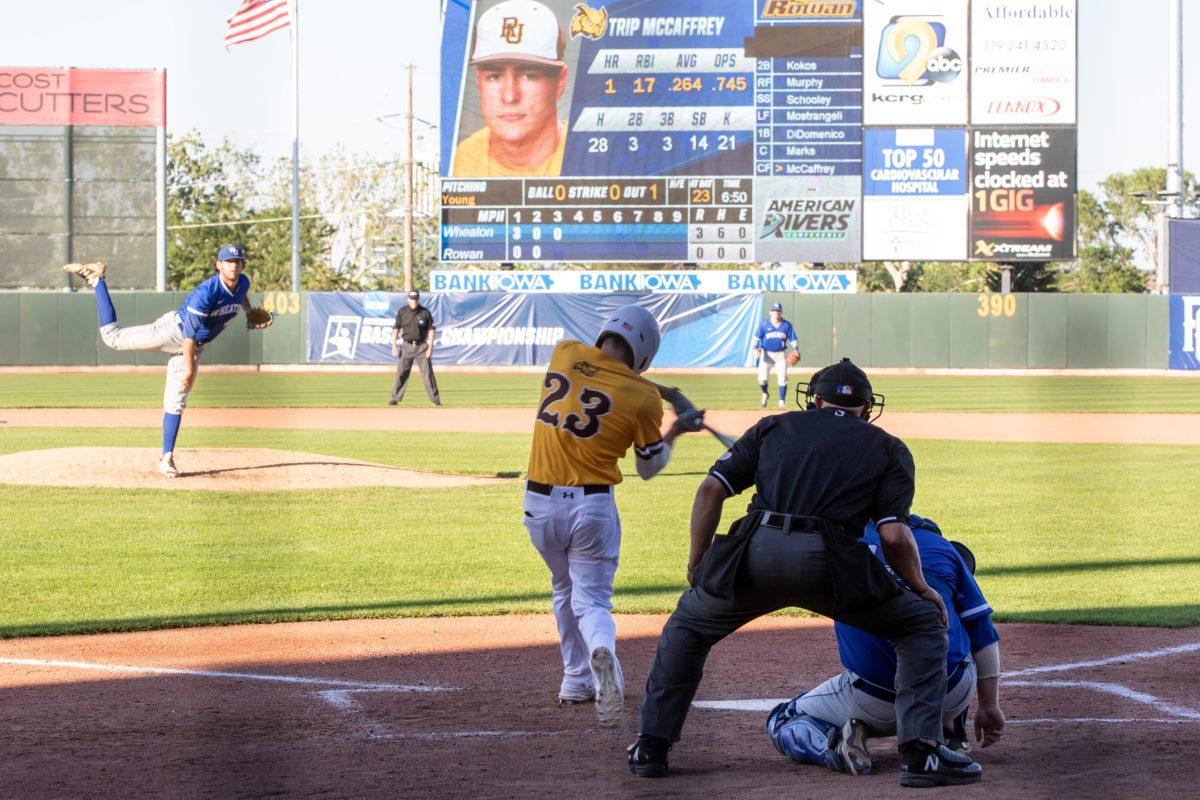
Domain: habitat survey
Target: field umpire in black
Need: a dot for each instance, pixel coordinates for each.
(819, 476)
(412, 341)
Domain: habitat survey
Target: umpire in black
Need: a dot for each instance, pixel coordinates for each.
(819, 476)
(412, 342)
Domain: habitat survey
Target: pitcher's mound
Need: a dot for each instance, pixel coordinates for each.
(224, 469)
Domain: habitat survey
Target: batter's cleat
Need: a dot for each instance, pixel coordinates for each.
(92, 273)
(648, 757)
(923, 766)
(762, 401)
(571, 697)
(956, 736)
(610, 702)
(852, 748)
(167, 466)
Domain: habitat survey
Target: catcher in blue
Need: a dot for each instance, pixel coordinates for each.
(829, 725)
(775, 346)
(183, 333)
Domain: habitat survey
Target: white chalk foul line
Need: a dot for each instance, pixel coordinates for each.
(1120, 691)
(240, 676)
(450, 735)
(1142, 655)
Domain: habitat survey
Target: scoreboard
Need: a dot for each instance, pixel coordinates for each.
(737, 131)
(589, 219)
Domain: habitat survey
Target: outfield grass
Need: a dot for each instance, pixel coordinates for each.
(1063, 533)
(923, 393)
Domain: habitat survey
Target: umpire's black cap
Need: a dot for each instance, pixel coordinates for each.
(843, 384)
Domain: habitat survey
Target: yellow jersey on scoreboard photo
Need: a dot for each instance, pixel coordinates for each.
(520, 75)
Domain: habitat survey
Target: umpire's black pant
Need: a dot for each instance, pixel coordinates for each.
(418, 354)
(783, 570)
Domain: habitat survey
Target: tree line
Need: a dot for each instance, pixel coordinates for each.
(352, 236)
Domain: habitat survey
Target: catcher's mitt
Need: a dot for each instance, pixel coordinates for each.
(258, 318)
(793, 358)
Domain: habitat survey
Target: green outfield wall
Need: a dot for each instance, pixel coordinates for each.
(964, 331)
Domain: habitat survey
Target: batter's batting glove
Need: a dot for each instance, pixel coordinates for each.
(690, 421)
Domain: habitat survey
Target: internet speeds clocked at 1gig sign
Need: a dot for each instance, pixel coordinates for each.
(757, 130)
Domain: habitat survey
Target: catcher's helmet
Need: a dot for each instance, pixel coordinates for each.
(842, 384)
(638, 328)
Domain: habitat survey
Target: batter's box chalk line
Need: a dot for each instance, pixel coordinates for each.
(1171, 713)
(337, 685)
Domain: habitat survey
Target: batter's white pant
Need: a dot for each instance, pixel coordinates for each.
(837, 701)
(163, 335)
(579, 538)
(776, 361)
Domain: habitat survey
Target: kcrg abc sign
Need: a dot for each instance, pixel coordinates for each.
(913, 51)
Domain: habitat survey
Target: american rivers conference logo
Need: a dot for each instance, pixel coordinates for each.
(826, 218)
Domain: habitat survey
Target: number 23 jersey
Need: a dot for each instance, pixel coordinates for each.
(592, 409)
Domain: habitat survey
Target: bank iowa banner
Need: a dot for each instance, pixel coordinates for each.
(521, 329)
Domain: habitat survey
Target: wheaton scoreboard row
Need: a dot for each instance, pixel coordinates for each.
(758, 130)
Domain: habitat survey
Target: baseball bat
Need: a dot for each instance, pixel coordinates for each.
(682, 405)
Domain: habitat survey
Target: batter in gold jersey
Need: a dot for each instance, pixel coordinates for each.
(594, 405)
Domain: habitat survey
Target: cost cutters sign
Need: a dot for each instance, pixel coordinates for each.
(70, 96)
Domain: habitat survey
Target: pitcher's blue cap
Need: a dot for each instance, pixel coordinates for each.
(777, 306)
(231, 252)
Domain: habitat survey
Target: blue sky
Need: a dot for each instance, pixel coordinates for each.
(353, 53)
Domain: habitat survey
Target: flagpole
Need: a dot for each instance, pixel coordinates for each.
(296, 145)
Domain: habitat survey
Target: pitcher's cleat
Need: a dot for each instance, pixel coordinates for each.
(610, 702)
(92, 272)
(167, 466)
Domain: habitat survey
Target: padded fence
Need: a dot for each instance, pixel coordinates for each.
(1038, 331)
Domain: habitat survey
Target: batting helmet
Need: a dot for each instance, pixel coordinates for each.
(638, 328)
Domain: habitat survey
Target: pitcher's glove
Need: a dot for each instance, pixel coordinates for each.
(793, 358)
(258, 318)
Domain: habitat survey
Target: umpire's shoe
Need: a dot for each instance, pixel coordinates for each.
(924, 765)
(648, 757)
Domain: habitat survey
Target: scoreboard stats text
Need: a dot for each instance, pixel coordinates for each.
(758, 130)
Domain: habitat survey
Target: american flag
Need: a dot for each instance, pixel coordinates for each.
(255, 19)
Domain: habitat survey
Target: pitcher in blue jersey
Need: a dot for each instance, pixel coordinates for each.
(829, 725)
(772, 341)
(182, 333)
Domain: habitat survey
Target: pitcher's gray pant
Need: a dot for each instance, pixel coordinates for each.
(418, 354)
(163, 335)
(784, 570)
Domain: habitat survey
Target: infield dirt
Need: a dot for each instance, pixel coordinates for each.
(343, 709)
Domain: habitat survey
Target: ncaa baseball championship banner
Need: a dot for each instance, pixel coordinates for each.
(734, 130)
(717, 282)
(1185, 332)
(521, 329)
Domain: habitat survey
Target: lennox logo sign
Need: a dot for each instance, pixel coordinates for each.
(1025, 106)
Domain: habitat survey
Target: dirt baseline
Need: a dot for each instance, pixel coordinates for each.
(222, 469)
(463, 707)
(985, 427)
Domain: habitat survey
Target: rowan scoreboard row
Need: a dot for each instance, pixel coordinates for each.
(757, 130)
